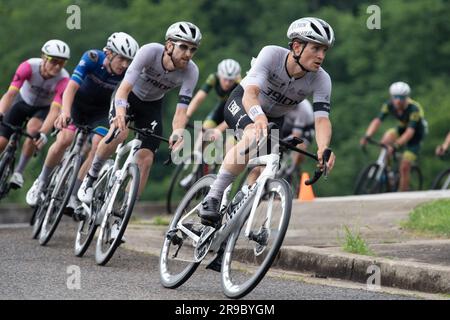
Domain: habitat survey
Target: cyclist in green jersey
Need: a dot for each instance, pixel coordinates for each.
(408, 134)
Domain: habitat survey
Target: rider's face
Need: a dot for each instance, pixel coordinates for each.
(182, 53)
(226, 84)
(119, 63)
(313, 55)
(399, 101)
(52, 66)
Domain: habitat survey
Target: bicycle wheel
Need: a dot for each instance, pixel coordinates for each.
(415, 179)
(6, 170)
(259, 249)
(371, 181)
(59, 199)
(39, 215)
(176, 261)
(86, 228)
(442, 181)
(183, 178)
(122, 199)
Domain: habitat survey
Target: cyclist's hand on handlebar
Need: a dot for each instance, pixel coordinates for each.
(330, 163)
(119, 121)
(363, 141)
(261, 124)
(62, 121)
(41, 140)
(176, 139)
(440, 151)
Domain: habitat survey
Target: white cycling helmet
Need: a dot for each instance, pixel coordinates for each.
(399, 89)
(184, 31)
(123, 44)
(229, 69)
(312, 30)
(56, 48)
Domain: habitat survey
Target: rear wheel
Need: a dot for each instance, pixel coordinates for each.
(415, 179)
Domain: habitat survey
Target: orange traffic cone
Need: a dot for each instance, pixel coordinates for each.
(306, 192)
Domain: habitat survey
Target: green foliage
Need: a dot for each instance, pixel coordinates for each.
(412, 45)
(354, 243)
(431, 218)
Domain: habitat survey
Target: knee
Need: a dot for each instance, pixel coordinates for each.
(145, 158)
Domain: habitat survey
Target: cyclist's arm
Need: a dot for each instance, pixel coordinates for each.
(22, 74)
(446, 143)
(323, 132)
(8, 99)
(222, 127)
(198, 99)
(53, 114)
(69, 96)
(373, 127)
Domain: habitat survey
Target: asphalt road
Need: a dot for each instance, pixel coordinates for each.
(30, 271)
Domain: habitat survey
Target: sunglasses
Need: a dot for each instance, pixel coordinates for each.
(56, 61)
(184, 47)
(399, 97)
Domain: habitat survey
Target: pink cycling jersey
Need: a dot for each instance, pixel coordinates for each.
(34, 89)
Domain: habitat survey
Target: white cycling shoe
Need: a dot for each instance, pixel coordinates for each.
(86, 193)
(16, 180)
(33, 193)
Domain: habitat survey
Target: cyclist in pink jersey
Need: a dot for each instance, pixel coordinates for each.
(35, 94)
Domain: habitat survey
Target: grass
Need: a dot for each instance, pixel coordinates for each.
(354, 243)
(161, 221)
(430, 218)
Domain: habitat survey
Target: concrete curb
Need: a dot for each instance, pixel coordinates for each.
(398, 274)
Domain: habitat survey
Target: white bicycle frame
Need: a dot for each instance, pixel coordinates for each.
(271, 163)
(131, 148)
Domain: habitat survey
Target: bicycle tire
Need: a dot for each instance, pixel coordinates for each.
(6, 169)
(367, 173)
(70, 175)
(102, 257)
(441, 178)
(230, 287)
(167, 279)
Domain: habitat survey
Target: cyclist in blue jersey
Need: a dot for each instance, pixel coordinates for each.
(86, 101)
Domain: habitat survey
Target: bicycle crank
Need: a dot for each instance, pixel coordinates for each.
(204, 243)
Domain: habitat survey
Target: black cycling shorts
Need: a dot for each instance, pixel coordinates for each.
(19, 113)
(237, 118)
(86, 114)
(146, 115)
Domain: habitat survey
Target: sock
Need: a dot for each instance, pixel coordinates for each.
(22, 163)
(224, 178)
(96, 166)
(77, 185)
(45, 173)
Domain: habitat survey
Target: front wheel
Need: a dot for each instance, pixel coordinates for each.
(260, 247)
(442, 181)
(372, 180)
(6, 170)
(124, 194)
(177, 262)
(59, 199)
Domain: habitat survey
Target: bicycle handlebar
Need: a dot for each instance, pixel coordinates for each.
(289, 145)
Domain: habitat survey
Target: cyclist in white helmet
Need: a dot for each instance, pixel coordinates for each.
(86, 102)
(156, 70)
(35, 93)
(278, 80)
(410, 132)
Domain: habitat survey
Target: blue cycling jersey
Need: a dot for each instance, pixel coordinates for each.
(96, 83)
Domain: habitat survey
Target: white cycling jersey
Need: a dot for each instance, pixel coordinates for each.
(280, 93)
(151, 81)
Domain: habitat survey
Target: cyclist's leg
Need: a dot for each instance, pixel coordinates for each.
(147, 115)
(408, 159)
(389, 136)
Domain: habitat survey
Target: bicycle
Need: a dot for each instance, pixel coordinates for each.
(8, 157)
(114, 195)
(57, 194)
(383, 175)
(290, 172)
(442, 180)
(251, 231)
(190, 170)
